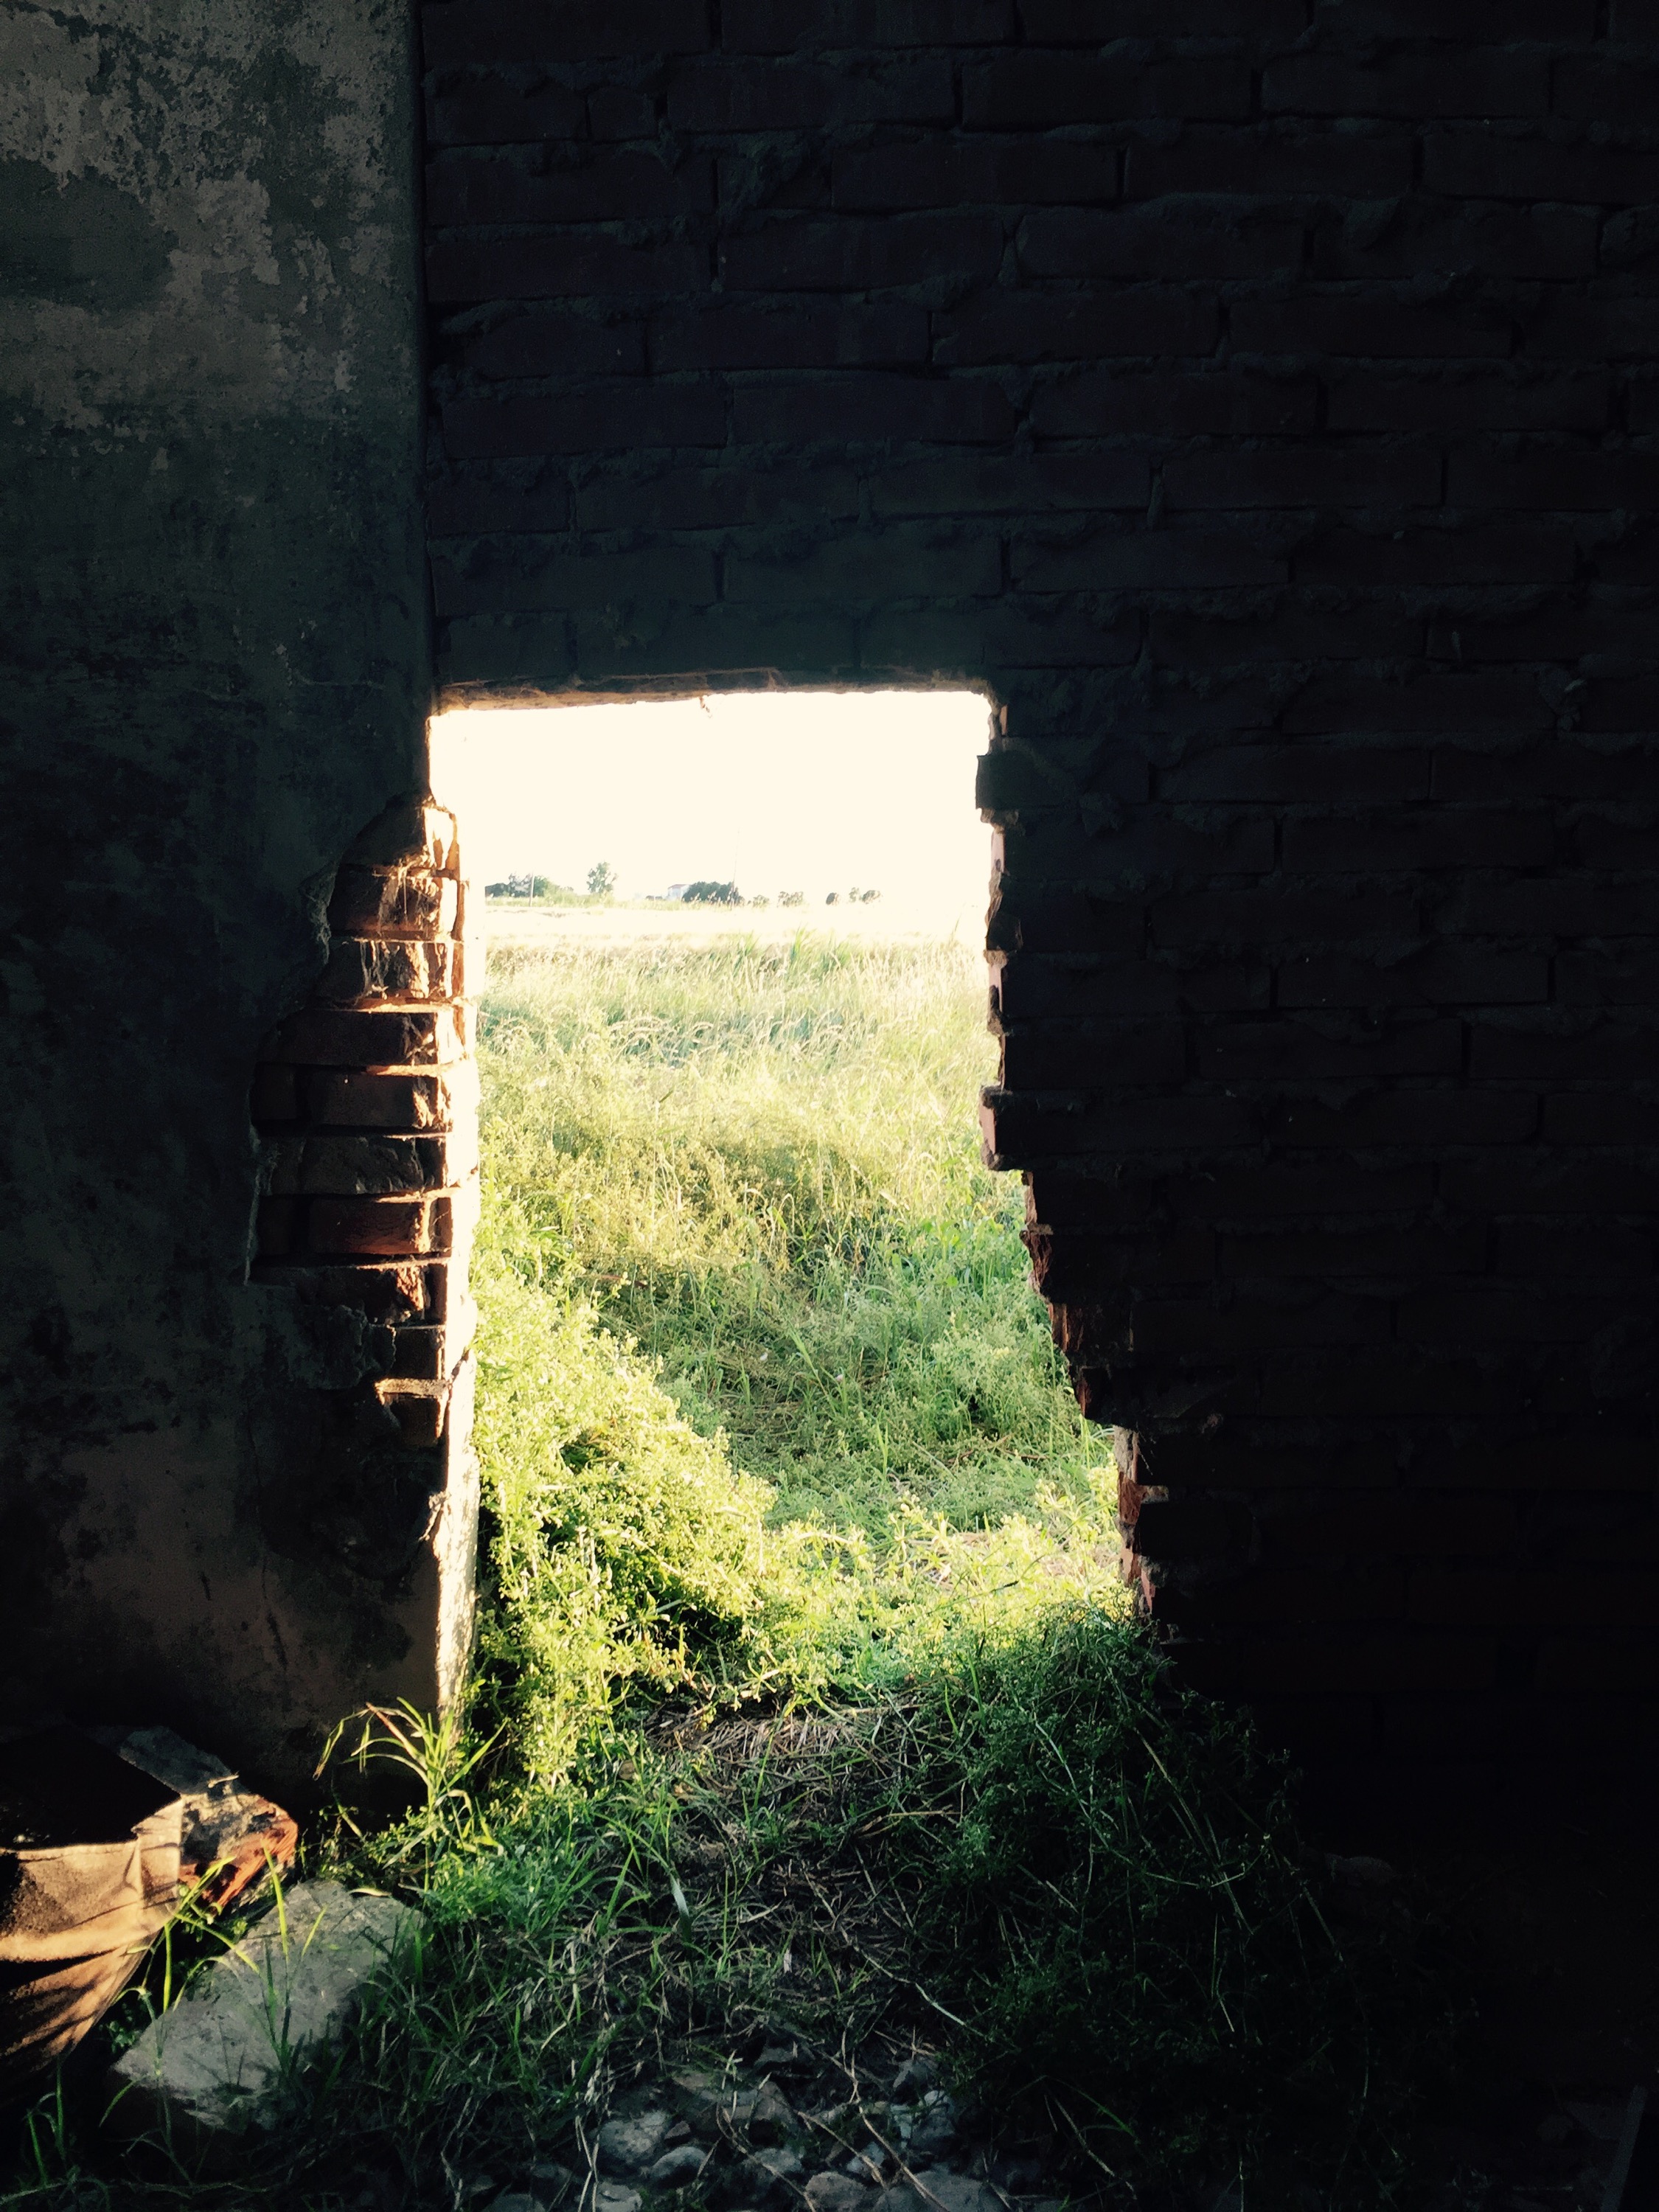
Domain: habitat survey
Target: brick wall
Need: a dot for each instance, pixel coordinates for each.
(366, 1104)
(1255, 397)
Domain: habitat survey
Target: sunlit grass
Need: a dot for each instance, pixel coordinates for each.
(761, 1162)
(767, 1400)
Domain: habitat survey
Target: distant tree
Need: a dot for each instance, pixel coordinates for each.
(601, 879)
(867, 897)
(792, 898)
(762, 901)
(713, 894)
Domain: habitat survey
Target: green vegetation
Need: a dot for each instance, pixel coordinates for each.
(807, 1687)
(746, 1176)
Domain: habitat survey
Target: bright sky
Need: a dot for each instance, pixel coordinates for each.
(807, 790)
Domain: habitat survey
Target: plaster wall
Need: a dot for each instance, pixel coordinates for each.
(216, 644)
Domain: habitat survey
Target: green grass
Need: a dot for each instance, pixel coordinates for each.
(806, 1684)
(762, 1163)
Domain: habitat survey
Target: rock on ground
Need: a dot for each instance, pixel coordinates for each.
(627, 2146)
(292, 1984)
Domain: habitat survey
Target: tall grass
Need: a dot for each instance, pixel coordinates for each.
(767, 1400)
(806, 1683)
(760, 1162)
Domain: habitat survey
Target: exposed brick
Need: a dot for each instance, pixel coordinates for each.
(560, 30)
(1289, 1597)
(561, 267)
(1485, 399)
(1606, 978)
(1361, 324)
(1445, 975)
(1082, 22)
(1554, 478)
(556, 345)
(1426, 838)
(730, 97)
(782, 26)
(361, 970)
(714, 499)
(468, 506)
(1545, 1187)
(491, 111)
(1028, 172)
(1271, 159)
(326, 1036)
(1055, 1056)
(379, 1099)
(1009, 325)
(1086, 242)
(1142, 559)
(370, 903)
(897, 563)
(1000, 484)
(1355, 1667)
(1302, 517)
(1556, 1251)
(765, 338)
(1459, 704)
(616, 187)
(1219, 401)
(1308, 773)
(1605, 323)
(1036, 90)
(565, 581)
(1494, 161)
(1458, 553)
(1565, 770)
(1562, 906)
(1609, 92)
(1295, 1052)
(1534, 243)
(1271, 917)
(857, 256)
(1512, 1053)
(616, 112)
(1029, 985)
(1409, 1117)
(1545, 1599)
(1482, 20)
(622, 416)
(1425, 1249)
(939, 411)
(1151, 844)
(1475, 82)
(1303, 475)
(1182, 640)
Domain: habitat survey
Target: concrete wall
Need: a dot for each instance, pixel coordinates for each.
(1256, 396)
(215, 633)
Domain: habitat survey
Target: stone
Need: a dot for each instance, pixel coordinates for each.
(283, 1993)
(941, 2190)
(772, 2118)
(676, 2167)
(913, 2077)
(517, 2200)
(615, 2197)
(627, 2145)
(765, 2175)
(838, 2192)
(933, 2132)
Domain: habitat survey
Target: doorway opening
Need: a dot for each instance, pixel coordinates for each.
(758, 1335)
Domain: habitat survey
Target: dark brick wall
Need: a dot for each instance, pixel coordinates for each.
(1256, 397)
